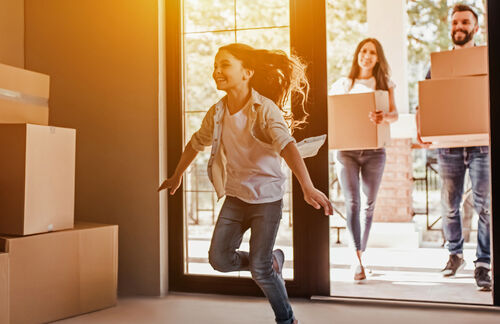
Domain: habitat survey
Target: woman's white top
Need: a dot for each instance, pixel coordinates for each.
(342, 85)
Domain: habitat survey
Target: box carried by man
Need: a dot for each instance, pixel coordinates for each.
(465, 62)
(454, 104)
(455, 110)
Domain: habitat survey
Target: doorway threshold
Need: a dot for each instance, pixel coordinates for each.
(404, 303)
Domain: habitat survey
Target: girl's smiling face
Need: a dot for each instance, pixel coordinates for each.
(229, 72)
(367, 57)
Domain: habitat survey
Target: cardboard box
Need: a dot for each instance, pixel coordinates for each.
(62, 274)
(37, 178)
(349, 127)
(4, 288)
(24, 96)
(459, 63)
(454, 111)
(464, 143)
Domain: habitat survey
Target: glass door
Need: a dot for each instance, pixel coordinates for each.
(404, 255)
(207, 25)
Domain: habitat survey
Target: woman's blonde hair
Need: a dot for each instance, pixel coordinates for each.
(276, 76)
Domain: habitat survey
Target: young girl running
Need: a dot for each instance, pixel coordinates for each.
(369, 72)
(249, 136)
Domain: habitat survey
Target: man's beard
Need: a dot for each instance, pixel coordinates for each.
(465, 40)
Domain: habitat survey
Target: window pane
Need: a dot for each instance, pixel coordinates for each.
(196, 178)
(346, 27)
(192, 122)
(274, 38)
(200, 50)
(262, 13)
(208, 15)
(205, 31)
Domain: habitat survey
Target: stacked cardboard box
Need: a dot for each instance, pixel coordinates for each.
(24, 96)
(4, 288)
(454, 104)
(63, 273)
(349, 127)
(50, 268)
(37, 177)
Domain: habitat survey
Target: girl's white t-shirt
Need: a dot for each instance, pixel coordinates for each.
(254, 172)
(342, 85)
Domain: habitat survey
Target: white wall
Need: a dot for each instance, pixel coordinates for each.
(387, 22)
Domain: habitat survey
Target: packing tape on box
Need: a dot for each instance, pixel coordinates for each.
(20, 97)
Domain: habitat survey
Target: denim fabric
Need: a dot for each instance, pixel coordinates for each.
(453, 163)
(235, 218)
(370, 165)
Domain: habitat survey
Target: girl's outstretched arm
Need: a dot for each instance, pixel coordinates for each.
(175, 180)
(312, 196)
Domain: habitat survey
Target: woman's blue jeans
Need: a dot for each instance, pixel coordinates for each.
(453, 163)
(235, 218)
(369, 166)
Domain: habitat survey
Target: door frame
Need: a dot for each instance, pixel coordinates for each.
(311, 228)
(493, 24)
(311, 266)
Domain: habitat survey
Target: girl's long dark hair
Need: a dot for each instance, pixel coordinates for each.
(381, 70)
(276, 76)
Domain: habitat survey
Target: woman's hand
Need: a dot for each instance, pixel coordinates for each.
(377, 116)
(171, 183)
(317, 199)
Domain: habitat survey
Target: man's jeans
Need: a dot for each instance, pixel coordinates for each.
(235, 218)
(370, 164)
(453, 163)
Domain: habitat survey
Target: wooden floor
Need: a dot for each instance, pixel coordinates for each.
(215, 309)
